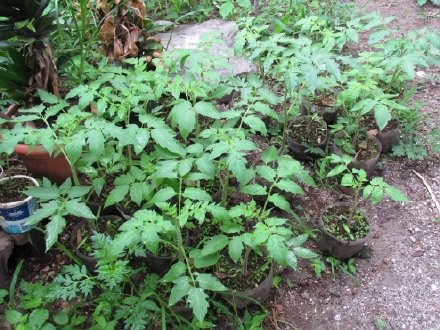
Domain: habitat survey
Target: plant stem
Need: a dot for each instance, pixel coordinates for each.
(225, 188)
(354, 205)
(244, 271)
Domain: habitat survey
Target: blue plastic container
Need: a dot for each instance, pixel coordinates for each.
(13, 215)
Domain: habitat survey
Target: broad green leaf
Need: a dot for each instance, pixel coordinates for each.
(185, 166)
(304, 253)
(226, 9)
(280, 202)
(13, 316)
(180, 289)
(207, 109)
(53, 229)
(43, 193)
(254, 189)
(291, 260)
(382, 116)
(137, 192)
(196, 194)
(290, 186)
(395, 194)
(78, 191)
(183, 116)
(142, 137)
(347, 180)
(47, 97)
(79, 209)
(269, 155)
(335, 171)
(214, 245)
(61, 318)
(378, 36)
(176, 270)
(298, 240)
(166, 140)
(163, 195)
(211, 283)
(117, 195)
(266, 172)
(38, 317)
(96, 142)
(45, 211)
(198, 301)
(235, 248)
(255, 124)
(277, 249)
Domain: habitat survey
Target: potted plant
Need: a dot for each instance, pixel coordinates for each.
(323, 104)
(15, 206)
(307, 136)
(345, 227)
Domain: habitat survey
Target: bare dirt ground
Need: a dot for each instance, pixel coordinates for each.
(398, 287)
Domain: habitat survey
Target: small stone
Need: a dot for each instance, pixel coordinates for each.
(418, 253)
(434, 287)
(412, 239)
(305, 295)
(338, 317)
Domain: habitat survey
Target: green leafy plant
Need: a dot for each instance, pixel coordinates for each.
(56, 204)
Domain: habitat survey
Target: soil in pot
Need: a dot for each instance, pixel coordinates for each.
(256, 284)
(324, 106)
(340, 236)
(12, 190)
(307, 138)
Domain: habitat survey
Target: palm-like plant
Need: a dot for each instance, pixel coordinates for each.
(26, 60)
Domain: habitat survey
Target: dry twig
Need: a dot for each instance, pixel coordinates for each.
(429, 189)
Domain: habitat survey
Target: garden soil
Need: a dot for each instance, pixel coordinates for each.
(398, 285)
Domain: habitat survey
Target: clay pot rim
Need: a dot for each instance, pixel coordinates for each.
(368, 136)
(27, 199)
(27, 150)
(343, 241)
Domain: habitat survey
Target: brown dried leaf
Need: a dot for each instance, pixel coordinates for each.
(104, 6)
(107, 31)
(118, 49)
(139, 8)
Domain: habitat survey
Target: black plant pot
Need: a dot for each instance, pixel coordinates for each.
(88, 261)
(328, 113)
(302, 151)
(368, 165)
(157, 264)
(259, 293)
(388, 138)
(337, 248)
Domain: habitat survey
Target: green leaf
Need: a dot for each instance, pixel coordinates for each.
(198, 301)
(304, 253)
(382, 116)
(137, 190)
(166, 140)
(214, 244)
(45, 211)
(96, 142)
(196, 194)
(53, 229)
(13, 316)
(38, 317)
(277, 249)
(255, 124)
(269, 155)
(347, 180)
(185, 166)
(176, 270)
(117, 195)
(378, 36)
(79, 209)
(395, 194)
(235, 248)
(61, 318)
(254, 189)
(74, 150)
(280, 202)
(352, 34)
(163, 195)
(43, 193)
(298, 240)
(142, 137)
(180, 289)
(211, 283)
(226, 9)
(183, 116)
(335, 171)
(290, 186)
(266, 172)
(47, 97)
(291, 260)
(207, 109)
(78, 191)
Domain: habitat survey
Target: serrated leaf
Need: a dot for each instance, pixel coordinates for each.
(335, 171)
(137, 192)
(280, 202)
(255, 124)
(176, 270)
(196, 194)
(180, 289)
(269, 155)
(304, 253)
(298, 240)
(183, 116)
(47, 97)
(163, 195)
(43, 193)
(79, 209)
(291, 260)
(382, 115)
(142, 137)
(254, 189)
(207, 109)
(117, 195)
(166, 140)
(235, 248)
(53, 229)
(198, 301)
(395, 194)
(378, 36)
(226, 9)
(96, 142)
(45, 211)
(38, 317)
(214, 244)
(290, 186)
(61, 318)
(266, 172)
(277, 249)
(78, 191)
(211, 283)
(13, 316)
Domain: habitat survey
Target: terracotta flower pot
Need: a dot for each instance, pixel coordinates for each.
(338, 248)
(41, 164)
(390, 137)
